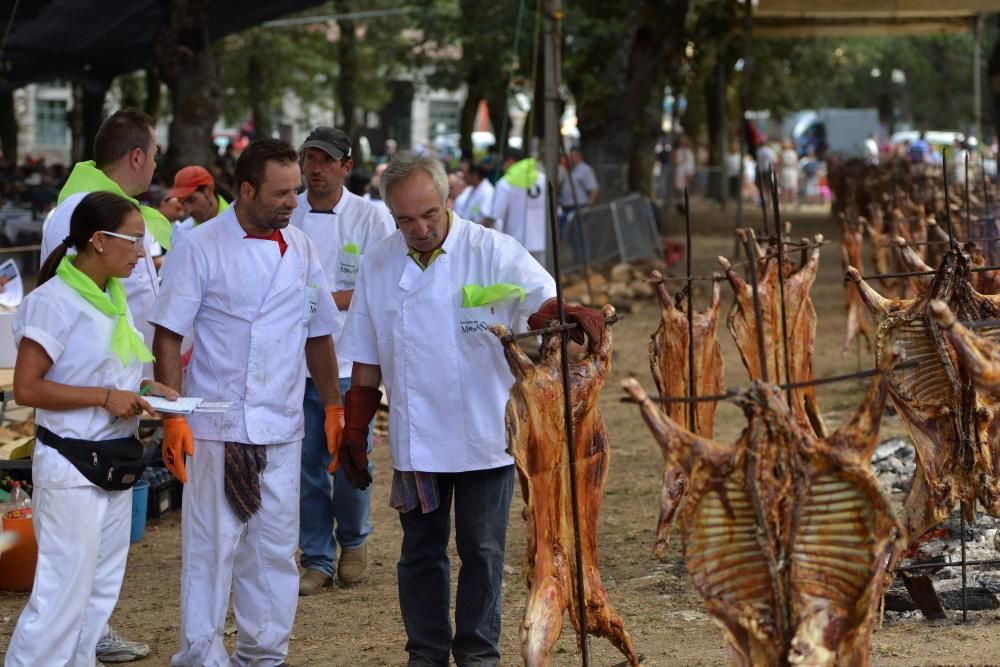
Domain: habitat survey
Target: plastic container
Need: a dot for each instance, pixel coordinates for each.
(140, 499)
(18, 571)
(19, 504)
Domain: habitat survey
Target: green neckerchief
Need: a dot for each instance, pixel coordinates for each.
(522, 174)
(352, 249)
(414, 254)
(86, 177)
(125, 342)
(474, 296)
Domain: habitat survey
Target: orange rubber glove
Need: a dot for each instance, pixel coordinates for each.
(334, 427)
(178, 441)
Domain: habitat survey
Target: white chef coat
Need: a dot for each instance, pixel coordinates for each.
(480, 202)
(462, 202)
(353, 220)
(140, 288)
(522, 212)
(77, 337)
(250, 310)
(444, 371)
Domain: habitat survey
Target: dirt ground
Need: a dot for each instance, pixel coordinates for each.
(666, 618)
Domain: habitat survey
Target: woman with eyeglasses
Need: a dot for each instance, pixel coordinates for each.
(79, 363)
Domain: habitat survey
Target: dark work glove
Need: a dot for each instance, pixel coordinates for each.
(590, 323)
(360, 406)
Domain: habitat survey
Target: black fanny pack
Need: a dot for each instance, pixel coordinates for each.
(113, 465)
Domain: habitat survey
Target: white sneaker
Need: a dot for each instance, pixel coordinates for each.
(113, 648)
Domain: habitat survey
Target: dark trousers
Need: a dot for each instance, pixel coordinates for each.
(482, 504)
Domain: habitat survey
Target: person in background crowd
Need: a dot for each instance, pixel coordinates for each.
(342, 227)
(194, 187)
(789, 173)
(734, 169)
(252, 292)
(456, 186)
(461, 203)
(124, 163)
(482, 193)
(79, 363)
(871, 148)
(810, 172)
(919, 150)
(519, 205)
(683, 168)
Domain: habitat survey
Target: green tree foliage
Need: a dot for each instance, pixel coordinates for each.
(317, 64)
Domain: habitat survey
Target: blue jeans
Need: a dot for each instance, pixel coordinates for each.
(482, 503)
(322, 503)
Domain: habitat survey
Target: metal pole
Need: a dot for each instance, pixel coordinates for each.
(778, 226)
(581, 601)
(692, 391)
(553, 39)
(961, 527)
(969, 233)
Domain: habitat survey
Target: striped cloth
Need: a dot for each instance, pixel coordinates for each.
(411, 489)
(244, 464)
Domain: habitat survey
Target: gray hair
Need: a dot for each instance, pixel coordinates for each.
(404, 164)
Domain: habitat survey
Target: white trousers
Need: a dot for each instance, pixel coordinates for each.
(254, 560)
(83, 537)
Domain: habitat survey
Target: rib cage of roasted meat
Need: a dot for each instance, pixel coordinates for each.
(536, 438)
(936, 398)
(668, 360)
(788, 539)
(800, 316)
(851, 244)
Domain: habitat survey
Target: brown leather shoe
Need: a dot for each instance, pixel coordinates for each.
(352, 565)
(313, 582)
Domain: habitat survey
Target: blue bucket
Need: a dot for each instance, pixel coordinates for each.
(140, 497)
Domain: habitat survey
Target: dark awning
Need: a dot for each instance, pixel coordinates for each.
(68, 39)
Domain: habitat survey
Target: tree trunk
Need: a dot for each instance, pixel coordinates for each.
(8, 127)
(87, 115)
(184, 57)
(260, 101)
(715, 107)
(467, 122)
(153, 93)
(620, 117)
(348, 75)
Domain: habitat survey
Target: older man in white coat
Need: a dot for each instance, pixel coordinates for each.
(423, 300)
(253, 293)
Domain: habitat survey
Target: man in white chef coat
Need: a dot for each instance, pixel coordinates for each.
(342, 226)
(423, 301)
(252, 292)
(519, 203)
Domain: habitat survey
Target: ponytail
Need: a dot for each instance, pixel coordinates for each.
(97, 212)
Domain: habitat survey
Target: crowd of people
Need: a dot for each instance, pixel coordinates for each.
(286, 305)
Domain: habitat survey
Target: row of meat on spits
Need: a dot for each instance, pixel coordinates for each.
(787, 533)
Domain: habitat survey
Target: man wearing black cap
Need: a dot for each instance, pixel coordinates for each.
(342, 226)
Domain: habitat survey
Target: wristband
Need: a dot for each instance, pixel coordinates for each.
(107, 396)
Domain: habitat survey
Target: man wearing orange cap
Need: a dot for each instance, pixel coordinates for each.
(194, 187)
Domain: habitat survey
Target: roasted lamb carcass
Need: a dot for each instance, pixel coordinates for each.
(935, 398)
(536, 438)
(851, 245)
(668, 360)
(789, 539)
(800, 316)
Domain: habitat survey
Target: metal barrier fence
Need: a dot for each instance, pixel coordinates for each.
(620, 231)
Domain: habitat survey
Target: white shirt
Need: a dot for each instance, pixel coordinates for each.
(522, 212)
(352, 221)
(480, 202)
(462, 203)
(140, 288)
(250, 310)
(444, 372)
(77, 338)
